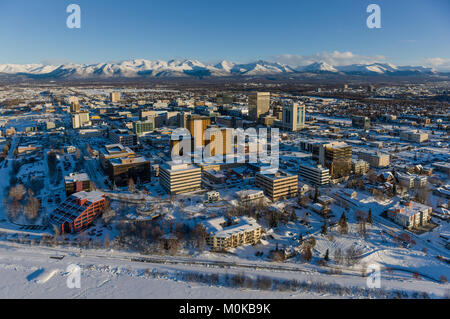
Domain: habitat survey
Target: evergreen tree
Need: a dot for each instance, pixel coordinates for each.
(343, 226)
(324, 228)
(327, 256)
(369, 217)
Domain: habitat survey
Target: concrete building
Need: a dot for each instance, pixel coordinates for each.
(337, 156)
(410, 215)
(80, 119)
(293, 116)
(314, 174)
(114, 97)
(375, 159)
(197, 126)
(224, 235)
(180, 178)
(75, 183)
(77, 212)
(413, 136)
(279, 185)
(250, 196)
(359, 167)
(121, 164)
(362, 122)
(142, 127)
(123, 137)
(258, 105)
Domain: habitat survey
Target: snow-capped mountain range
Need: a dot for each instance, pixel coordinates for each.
(173, 68)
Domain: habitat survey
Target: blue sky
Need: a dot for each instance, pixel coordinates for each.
(294, 32)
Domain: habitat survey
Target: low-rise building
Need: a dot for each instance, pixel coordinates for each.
(120, 163)
(315, 174)
(360, 167)
(413, 136)
(77, 211)
(375, 159)
(123, 137)
(212, 196)
(180, 178)
(250, 196)
(224, 235)
(410, 214)
(77, 182)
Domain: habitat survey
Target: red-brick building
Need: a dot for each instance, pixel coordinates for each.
(77, 211)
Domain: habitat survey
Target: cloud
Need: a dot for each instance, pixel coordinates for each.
(441, 64)
(334, 58)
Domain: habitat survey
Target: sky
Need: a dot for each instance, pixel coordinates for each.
(295, 32)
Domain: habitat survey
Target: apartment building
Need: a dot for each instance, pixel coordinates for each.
(250, 196)
(359, 167)
(180, 178)
(410, 214)
(114, 97)
(277, 186)
(80, 119)
(77, 211)
(224, 235)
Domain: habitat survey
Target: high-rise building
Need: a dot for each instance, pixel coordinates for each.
(80, 119)
(258, 105)
(75, 107)
(361, 122)
(197, 126)
(293, 116)
(114, 97)
(337, 156)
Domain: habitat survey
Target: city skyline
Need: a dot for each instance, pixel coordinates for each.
(292, 33)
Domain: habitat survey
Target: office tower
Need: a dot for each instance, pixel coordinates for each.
(258, 104)
(362, 122)
(114, 97)
(293, 116)
(75, 107)
(80, 119)
(337, 156)
(197, 125)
